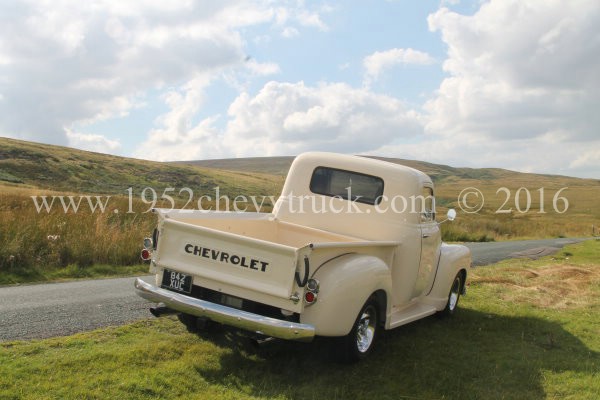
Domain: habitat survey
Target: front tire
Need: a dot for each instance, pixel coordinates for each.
(454, 295)
(359, 343)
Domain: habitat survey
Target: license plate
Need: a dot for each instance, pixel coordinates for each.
(177, 281)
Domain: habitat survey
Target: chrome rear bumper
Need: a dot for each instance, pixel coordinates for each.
(226, 315)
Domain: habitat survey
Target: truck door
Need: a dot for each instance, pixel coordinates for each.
(430, 241)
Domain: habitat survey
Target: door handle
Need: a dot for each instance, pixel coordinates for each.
(425, 236)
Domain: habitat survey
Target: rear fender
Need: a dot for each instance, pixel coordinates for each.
(345, 284)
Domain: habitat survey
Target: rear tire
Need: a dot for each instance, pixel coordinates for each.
(359, 343)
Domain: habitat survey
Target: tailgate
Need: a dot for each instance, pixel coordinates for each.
(237, 264)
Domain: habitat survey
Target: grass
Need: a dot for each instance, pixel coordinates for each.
(48, 246)
(506, 342)
(581, 218)
(52, 246)
(70, 272)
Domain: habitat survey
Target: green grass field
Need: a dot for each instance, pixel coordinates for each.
(526, 330)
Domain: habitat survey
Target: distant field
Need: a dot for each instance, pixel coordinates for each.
(267, 165)
(526, 330)
(38, 246)
(581, 218)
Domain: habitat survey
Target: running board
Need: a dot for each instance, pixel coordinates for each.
(410, 314)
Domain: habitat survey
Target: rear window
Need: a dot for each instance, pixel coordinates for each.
(348, 185)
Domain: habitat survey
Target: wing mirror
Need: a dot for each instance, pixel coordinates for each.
(450, 216)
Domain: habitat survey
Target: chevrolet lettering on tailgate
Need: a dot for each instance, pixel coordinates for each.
(227, 258)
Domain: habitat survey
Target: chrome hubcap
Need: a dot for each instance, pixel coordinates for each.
(366, 329)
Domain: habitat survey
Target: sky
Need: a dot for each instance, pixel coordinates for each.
(511, 84)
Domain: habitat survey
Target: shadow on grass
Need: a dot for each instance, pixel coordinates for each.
(473, 355)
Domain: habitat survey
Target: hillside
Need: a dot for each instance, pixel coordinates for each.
(547, 206)
(35, 165)
(267, 165)
(61, 168)
(438, 172)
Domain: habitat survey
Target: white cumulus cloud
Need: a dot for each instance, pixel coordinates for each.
(523, 78)
(289, 118)
(66, 64)
(91, 142)
(380, 61)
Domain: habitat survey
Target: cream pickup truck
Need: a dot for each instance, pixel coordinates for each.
(352, 247)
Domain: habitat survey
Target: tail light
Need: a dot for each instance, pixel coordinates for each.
(312, 291)
(149, 245)
(310, 297)
(146, 255)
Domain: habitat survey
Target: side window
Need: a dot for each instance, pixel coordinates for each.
(427, 205)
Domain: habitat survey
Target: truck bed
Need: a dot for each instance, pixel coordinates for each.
(249, 255)
(262, 227)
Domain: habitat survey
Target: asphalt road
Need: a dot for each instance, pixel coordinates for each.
(492, 252)
(58, 309)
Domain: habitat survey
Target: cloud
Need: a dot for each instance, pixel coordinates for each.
(90, 142)
(520, 89)
(522, 80)
(289, 32)
(519, 69)
(520, 93)
(380, 61)
(66, 64)
(289, 118)
(548, 155)
(294, 14)
(262, 69)
(587, 158)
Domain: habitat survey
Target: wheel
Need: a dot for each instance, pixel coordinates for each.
(360, 341)
(454, 295)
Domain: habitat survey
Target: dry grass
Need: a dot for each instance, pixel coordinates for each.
(563, 286)
(582, 218)
(57, 239)
(57, 244)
